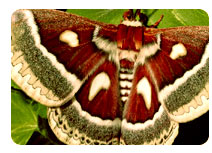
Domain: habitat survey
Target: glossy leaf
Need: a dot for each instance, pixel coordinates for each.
(178, 17)
(172, 17)
(112, 16)
(23, 118)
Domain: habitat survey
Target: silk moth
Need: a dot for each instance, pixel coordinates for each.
(111, 84)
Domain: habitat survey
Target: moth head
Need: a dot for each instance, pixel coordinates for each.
(128, 15)
(140, 19)
(135, 17)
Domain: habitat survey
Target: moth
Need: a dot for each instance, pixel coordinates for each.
(111, 84)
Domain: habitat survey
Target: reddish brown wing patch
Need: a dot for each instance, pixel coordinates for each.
(193, 38)
(78, 60)
(135, 109)
(106, 103)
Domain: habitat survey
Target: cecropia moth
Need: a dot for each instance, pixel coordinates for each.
(111, 84)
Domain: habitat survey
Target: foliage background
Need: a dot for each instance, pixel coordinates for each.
(29, 123)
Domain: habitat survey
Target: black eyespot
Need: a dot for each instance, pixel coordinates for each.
(60, 122)
(71, 132)
(96, 143)
(88, 141)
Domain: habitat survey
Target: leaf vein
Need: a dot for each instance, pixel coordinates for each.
(178, 17)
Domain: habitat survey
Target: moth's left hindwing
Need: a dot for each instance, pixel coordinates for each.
(53, 53)
(93, 115)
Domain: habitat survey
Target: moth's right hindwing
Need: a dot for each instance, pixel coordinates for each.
(145, 121)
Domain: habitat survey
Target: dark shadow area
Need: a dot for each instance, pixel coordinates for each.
(195, 132)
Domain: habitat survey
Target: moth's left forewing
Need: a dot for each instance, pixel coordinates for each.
(53, 53)
(181, 70)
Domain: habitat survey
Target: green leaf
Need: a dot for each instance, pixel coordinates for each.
(14, 85)
(172, 17)
(103, 15)
(178, 17)
(45, 135)
(40, 109)
(23, 118)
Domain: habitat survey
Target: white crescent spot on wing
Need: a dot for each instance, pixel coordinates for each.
(144, 88)
(101, 81)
